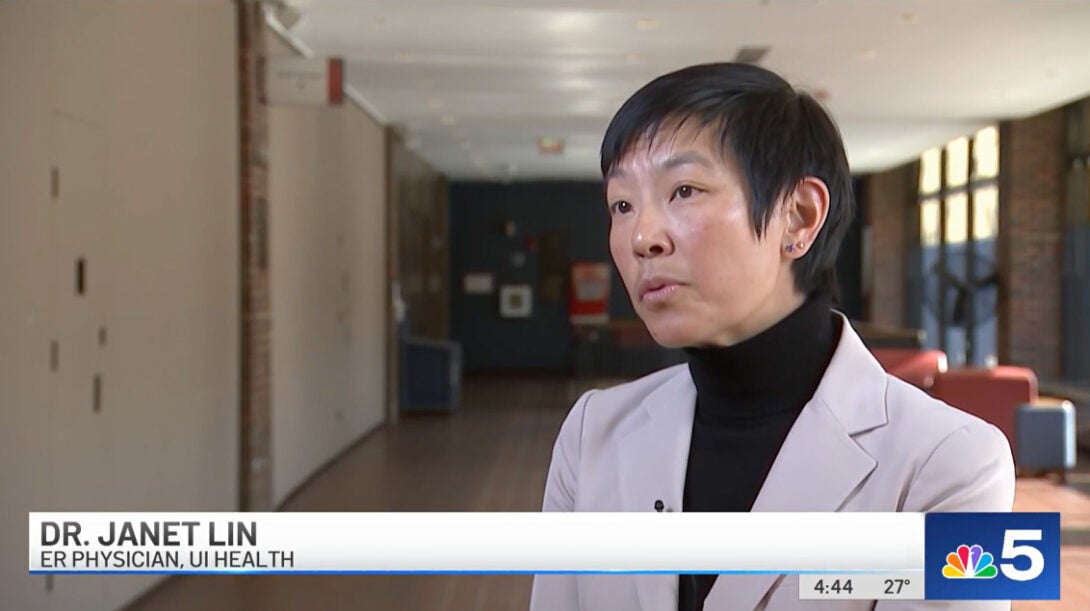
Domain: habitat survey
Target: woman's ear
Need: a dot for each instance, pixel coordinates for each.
(807, 208)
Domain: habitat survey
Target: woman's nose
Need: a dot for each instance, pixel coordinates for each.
(651, 238)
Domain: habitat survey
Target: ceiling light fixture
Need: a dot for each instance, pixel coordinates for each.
(647, 23)
(548, 145)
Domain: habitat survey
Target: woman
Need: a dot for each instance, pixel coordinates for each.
(729, 194)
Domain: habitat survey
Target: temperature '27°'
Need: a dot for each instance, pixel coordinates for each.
(893, 586)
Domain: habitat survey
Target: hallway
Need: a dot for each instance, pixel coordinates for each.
(490, 456)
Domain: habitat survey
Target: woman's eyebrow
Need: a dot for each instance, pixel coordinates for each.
(670, 163)
(685, 158)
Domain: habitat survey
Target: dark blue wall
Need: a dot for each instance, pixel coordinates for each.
(478, 212)
(575, 210)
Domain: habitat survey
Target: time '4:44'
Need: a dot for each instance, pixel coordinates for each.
(836, 587)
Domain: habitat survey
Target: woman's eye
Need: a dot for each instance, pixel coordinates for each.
(684, 192)
(621, 207)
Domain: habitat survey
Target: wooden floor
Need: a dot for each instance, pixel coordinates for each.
(491, 456)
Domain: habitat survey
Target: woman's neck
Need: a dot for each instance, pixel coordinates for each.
(776, 370)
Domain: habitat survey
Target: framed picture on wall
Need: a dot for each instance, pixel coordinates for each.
(516, 301)
(589, 293)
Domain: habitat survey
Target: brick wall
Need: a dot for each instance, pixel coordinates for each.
(890, 197)
(1030, 241)
(255, 463)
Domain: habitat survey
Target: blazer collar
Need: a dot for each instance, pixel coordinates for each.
(820, 464)
(653, 459)
(817, 468)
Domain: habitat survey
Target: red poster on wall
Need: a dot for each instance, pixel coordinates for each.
(589, 293)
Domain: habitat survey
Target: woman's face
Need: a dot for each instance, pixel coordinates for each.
(681, 237)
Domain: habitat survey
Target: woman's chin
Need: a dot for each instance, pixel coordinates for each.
(673, 336)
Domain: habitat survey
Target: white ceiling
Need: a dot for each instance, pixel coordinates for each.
(476, 82)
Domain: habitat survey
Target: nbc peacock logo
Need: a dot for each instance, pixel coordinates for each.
(969, 562)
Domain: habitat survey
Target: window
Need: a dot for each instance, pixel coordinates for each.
(957, 218)
(957, 163)
(986, 153)
(959, 224)
(931, 171)
(929, 222)
(986, 213)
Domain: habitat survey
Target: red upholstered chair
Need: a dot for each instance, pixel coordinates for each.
(992, 394)
(917, 367)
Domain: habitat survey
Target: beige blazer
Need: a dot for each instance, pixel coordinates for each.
(865, 442)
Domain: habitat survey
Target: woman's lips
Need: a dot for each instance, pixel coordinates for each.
(657, 289)
(660, 294)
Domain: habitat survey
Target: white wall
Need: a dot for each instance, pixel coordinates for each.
(136, 102)
(327, 259)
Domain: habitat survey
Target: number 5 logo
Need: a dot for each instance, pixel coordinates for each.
(1011, 551)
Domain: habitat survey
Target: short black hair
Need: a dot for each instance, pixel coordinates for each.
(776, 135)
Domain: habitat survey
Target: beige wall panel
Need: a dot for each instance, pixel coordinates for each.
(326, 202)
(136, 103)
(26, 56)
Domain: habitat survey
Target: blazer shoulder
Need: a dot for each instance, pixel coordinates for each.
(958, 461)
(936, 434)
(609, 407)
(636, 390)
(926, 417)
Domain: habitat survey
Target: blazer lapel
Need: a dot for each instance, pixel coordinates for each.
(819, 465)
(653, 459)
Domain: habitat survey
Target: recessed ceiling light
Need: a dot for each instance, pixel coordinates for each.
(909, 18)
(448, 120)
(647, 23)
(866, 55)
(549, 145)
(632, 58)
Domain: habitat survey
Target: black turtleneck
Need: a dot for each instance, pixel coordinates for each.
(747, 397)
